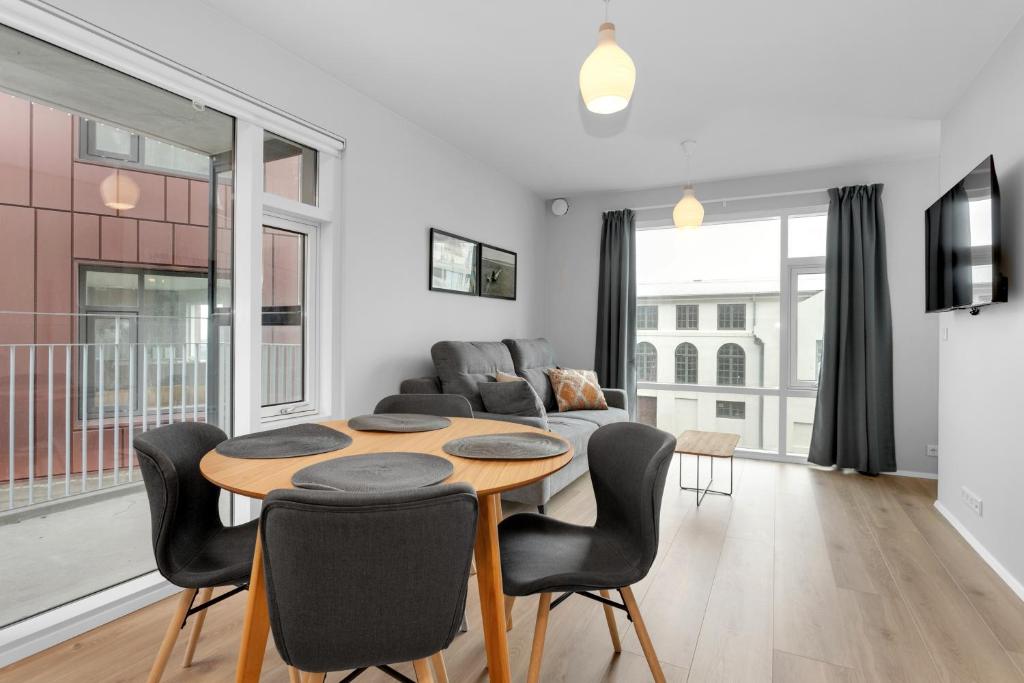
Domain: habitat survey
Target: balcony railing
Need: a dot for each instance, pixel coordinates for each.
(70, 412)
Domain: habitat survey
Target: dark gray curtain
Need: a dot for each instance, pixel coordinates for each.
(853, 424)
(948, 227)
(615, 348)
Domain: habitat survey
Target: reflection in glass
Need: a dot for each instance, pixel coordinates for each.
(284, 316)
(289, 169)
(810, 325)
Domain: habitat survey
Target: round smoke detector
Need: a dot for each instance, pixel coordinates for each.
(559, 206)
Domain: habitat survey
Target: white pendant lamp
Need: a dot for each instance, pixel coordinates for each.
(608, 75)
(119, 192)
(689, 212)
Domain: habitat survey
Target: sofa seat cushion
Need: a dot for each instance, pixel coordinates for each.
(461, 366)
(576, 432)
(597, 417)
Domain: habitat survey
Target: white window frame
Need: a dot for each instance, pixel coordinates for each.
(63, 29)
(310, 313)
(787, 387)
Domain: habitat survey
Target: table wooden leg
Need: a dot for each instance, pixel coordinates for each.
(492, 598)
(256, 625)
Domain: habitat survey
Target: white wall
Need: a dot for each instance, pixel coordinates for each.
(910, 186)
(980, 370)
(397, 180)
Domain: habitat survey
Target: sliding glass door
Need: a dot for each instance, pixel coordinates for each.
(729, 328)
(115, 309)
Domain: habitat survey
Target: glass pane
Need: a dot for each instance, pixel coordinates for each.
(807, 235)
(799, 422)
(284, 280)
(754, 418)
(112, 141)
(158, 154)
(104, 288)
(810, 325)
(133, 287)
(716, 290)
(109, 338)
(289, 169)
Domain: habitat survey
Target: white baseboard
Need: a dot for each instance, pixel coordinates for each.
(916, 475)
(1008, 578)
(24, 638)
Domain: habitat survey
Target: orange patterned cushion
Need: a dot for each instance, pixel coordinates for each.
(577, 390)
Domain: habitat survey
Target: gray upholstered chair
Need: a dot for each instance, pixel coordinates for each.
(442, 405)
(359, 580)
(193, 549)
(540, 554)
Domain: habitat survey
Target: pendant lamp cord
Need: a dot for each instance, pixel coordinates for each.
(606, 3)
(686, 145)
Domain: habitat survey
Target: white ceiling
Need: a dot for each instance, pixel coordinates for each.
(762, 86)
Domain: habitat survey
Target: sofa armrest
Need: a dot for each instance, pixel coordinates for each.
(420, 385)
(616, 398)
(539, 422)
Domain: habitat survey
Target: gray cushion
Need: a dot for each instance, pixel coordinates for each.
(597, 417)
(461, 366)
(511, 398)
(532, 359)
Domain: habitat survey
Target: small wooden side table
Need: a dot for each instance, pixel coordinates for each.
(714, 445)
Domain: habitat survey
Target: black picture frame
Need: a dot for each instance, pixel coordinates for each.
(501, 286)
(473, 279)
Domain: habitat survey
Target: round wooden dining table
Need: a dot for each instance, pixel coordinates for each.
(256, 478)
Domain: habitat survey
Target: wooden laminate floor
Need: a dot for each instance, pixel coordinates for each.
(805, 575)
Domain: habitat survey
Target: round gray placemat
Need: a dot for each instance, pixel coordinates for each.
(374, 472)
(398, 422)
(513, 446)
(286, 442)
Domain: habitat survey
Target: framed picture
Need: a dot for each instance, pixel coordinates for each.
(497, 273)
(454, 263)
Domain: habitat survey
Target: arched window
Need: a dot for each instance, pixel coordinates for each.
(686, 363)
(732, 365)
(646, 362)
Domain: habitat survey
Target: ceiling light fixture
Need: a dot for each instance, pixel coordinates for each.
(119, 192)
(689, 212)
(608, 75)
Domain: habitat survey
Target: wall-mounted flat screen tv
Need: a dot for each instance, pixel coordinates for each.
(963, 259)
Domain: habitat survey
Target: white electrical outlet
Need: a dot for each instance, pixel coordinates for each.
(971, 500)
(931, 450)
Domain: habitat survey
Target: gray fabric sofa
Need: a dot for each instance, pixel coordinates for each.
(462, 365)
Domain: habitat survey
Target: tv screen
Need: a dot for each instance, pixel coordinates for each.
(963, 258)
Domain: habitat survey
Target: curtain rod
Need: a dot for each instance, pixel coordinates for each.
(735, 199)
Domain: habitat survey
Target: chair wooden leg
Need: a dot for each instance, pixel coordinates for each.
(422, 667)
(613, 629)
(643, 635)
(510, 600)
(171, 635)
(539, 631)
(197, 626)
(314, 678)
(440, 672)
(293, 675)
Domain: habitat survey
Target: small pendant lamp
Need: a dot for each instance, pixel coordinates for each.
(608, 75)
(119, 192)
(689, 212)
